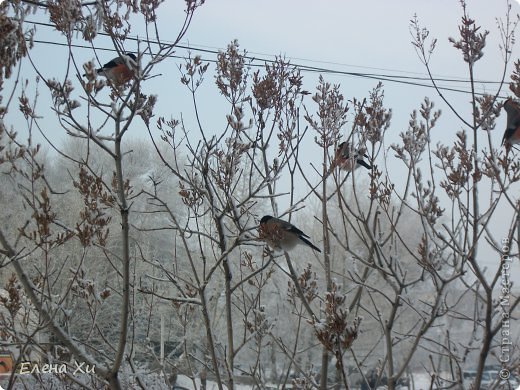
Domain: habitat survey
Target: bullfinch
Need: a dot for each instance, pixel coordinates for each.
(512, 133)
(119, 70)
(348, 158)
(279, 234)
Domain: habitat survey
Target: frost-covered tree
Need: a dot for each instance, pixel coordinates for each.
(143, 256)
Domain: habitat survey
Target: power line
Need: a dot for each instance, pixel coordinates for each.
(213, 50)
(424, 77)
(301, 67)
(399, 79)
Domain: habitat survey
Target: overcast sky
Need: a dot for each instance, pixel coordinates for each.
(355, 36)
(358, 36)
(371, 36)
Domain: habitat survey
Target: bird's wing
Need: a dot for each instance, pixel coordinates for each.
(364, 164)
(293, 229)
(113, 63)
(107, 66)
(507, 134)
(513, 114)
(289, 227)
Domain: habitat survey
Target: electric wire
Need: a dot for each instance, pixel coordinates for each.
(261, 61)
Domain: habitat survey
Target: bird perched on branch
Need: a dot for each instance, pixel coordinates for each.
(120, 69)
(348, 158)
(279, 234)
(512, 133)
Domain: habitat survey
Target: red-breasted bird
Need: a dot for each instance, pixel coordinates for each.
(348, 158)
(512, 133)
(119, 70)
(279, 234)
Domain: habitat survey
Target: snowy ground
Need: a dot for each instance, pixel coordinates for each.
(183, 382)
(421, 382)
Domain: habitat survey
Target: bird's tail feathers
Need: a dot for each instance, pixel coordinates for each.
(365, 164)
(310, 244)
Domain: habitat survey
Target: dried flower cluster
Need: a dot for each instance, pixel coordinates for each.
(193, 198)
(12, 301)
(514, 86)
(93, 219)
(232, 73)
(382, 191)
(334, 331)
(457, 175)
(487, 111)
(193, 72)
(308, 282)
(66, 15)
(14, 42)
(471, 42)
(417, 137)
(61, 95)
(40, 229)
(428, 202)
(332, 113)
(259, 326)
(377, 118)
